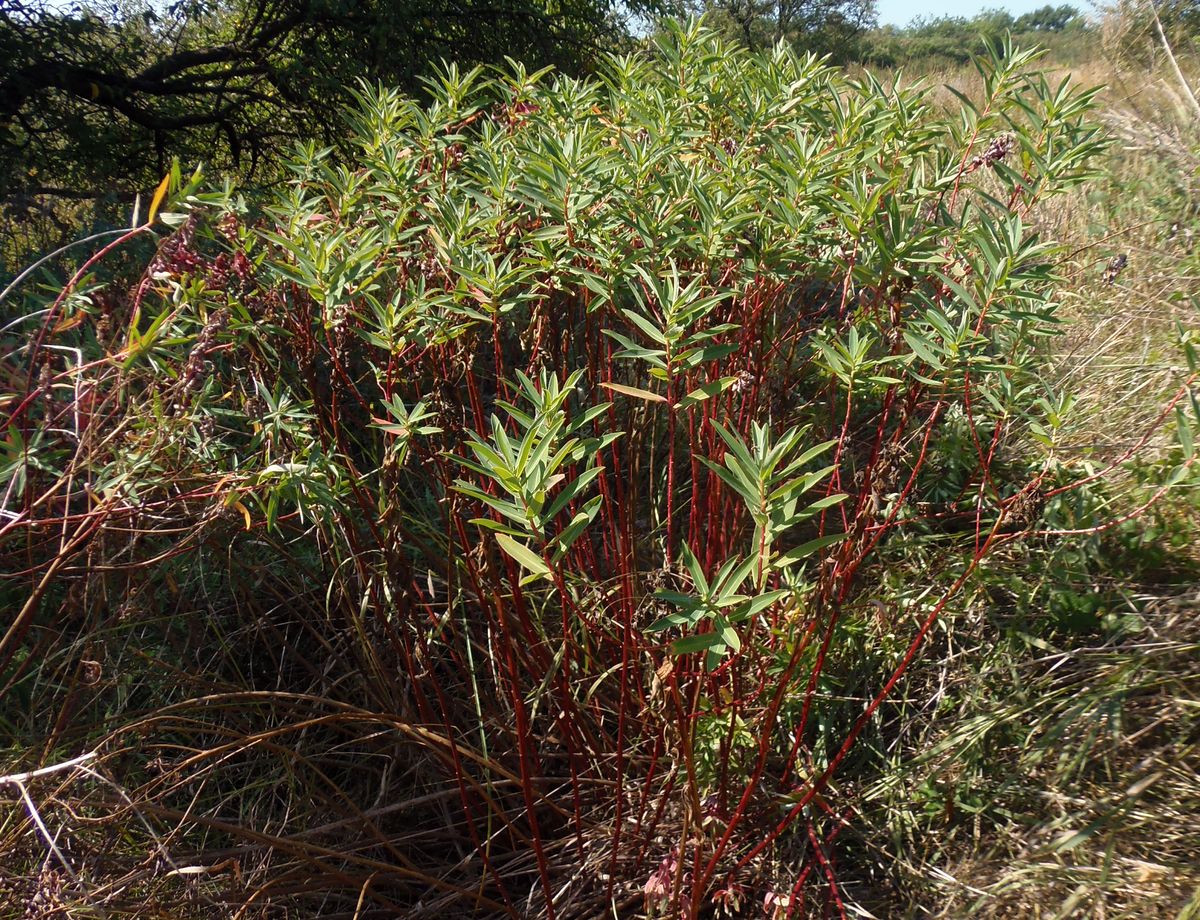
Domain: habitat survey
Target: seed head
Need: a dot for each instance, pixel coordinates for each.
(1116, 265)
(996, 151)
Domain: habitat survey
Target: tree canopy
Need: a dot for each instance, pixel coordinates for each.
(98, 98)
(937, 41)
(824, 26)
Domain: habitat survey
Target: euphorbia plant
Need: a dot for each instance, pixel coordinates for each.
(606, 408)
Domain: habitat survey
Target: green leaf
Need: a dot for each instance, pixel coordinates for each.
(827, 502)
(525, 557)
(728, 633)
(735, 444)
(670, 621)
(570, 491)
(735, 479)
(697, 643)
(489, 524)
(694, 568)
(1184, 427)
(758, 604)
(707, 391)
(655, 334)
(578, 524)
(804, 550)
(674, 597)
(925, 349)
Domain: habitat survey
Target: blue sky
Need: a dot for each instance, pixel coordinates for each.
(901, 12)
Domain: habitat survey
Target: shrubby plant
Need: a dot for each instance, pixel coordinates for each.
(619, 443)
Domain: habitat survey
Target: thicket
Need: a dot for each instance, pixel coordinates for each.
(928, 44)
(539, 513)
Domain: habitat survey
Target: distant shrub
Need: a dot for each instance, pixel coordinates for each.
(926, 44)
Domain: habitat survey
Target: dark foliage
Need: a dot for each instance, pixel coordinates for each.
(830, 27)
(96, 100)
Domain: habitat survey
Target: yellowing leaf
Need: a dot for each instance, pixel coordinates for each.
(232, 501)
(159, 194)
(245, 512)
(68, 322)
(634, 391)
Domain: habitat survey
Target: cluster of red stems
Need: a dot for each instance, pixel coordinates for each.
(569, 735)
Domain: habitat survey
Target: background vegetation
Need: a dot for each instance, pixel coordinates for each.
(684, 482)
(96, 100)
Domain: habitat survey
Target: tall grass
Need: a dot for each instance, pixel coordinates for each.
(1058, 776)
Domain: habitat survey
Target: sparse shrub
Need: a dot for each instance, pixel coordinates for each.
(618, 444)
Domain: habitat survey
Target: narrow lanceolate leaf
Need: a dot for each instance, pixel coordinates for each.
(758, 604)
(1184, 427)
(729, 634)
(669, 621)
(736, 446)
(697, 643)
(814, 451)
(707, 391)
(571, 490)
(634, 391)
(525, 557)
(675, 597)
(695, 569)
(924, 349)
(159, 194)
(735, 479)
(655, 334)
(804, 550)
(827, 502)
(578, 524)
(489, 524)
